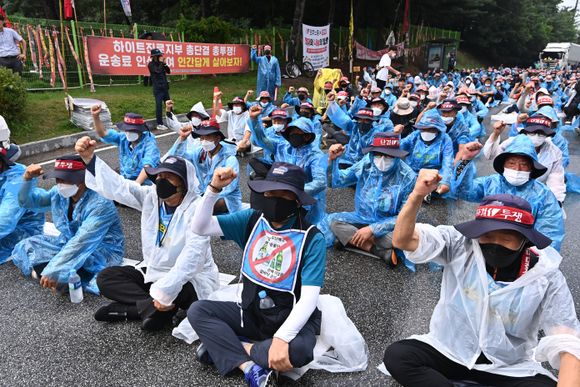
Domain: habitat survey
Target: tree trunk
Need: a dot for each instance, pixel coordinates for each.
(297, 25)
(331, 10)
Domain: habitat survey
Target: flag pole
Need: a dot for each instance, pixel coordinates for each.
(61, 27)
(105, 15)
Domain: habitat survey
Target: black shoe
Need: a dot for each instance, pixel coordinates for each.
(387, 255)
(178, 317)
(202, 355)
(113, 312)
(157, 321)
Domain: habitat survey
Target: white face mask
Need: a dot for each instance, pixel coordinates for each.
(207, 146)
(264, 104)
(448, 120)
(278, 127)
(67, 190)
(428, 136)
(377, 111)
(537, 139)
(195, 121)
(383, 163)
(463, 110)
(422, 97)
(237, 109)
(516, 178)
(132, 136)
(413, 104)
(388, 91)
(468, 82)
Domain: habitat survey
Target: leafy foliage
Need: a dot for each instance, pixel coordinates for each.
(12, 96)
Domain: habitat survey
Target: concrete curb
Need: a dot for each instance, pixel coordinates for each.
(66, 141)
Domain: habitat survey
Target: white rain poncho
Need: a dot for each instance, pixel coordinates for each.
(339, 348)
(184, 256)
(503, 324)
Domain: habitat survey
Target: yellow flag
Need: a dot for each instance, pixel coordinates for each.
(351, 31)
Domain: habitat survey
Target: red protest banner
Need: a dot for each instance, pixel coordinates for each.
(118, 56)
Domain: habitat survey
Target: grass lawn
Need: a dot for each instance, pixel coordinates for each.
(48, 117)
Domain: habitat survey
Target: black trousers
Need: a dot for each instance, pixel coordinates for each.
(161, 95)
(381, 84)
(414, 363)
(219, 327)
(126, 285)
(13, 63)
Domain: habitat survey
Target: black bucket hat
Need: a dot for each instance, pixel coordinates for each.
(70, 169)
(208, 127)
(172, 164)
(504, 212)
(388, 144)
(156, 52)
(287, 177)
(133, 122)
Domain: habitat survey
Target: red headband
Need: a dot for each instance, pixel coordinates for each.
(69, 165)
(539, 121)
(365, 112)
(511, 214)
(133, 121)
(386, 142)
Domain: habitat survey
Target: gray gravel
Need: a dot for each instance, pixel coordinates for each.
(46, 340)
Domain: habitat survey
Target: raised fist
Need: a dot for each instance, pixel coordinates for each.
(96, 110)
(32, 171)
(85, 147)
(427, 182)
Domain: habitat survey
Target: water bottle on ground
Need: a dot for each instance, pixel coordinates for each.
(75, 288)
(265, 301)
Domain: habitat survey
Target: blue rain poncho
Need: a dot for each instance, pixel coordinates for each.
(205, 167)
(132, 161)
(268, 73)
(475, 128)
(459, 132)
(294, 101)
(91, 241)
(438, 154)
(353, 150)
(545, 207)
(379, 195)
(16, 222)
(308, 157)
(481, 111)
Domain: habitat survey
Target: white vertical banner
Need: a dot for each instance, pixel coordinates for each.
(126, 4)
(316, 45)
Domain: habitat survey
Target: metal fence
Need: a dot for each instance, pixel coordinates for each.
(56, 52)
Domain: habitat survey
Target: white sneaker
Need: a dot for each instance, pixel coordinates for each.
(162, 127)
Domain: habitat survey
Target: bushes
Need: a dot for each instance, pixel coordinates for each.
(12, 96)
(209, 30)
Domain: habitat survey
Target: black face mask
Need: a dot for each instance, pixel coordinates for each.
(165, 189)
(326, 91)
(499, 256)
(301, 97)
(306, 114)
(296, 140)
(364, 127)
(267, 52)
(274, 209)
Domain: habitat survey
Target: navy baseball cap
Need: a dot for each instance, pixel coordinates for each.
(133, 122)
(539, 124)
(172, 164)
(504, 212)
(208, 127)
(287, 177)
(70, 169)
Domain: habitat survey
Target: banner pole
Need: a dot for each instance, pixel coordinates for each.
(79, 70)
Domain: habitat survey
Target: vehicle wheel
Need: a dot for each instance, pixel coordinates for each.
(292, 69)
(309, 69)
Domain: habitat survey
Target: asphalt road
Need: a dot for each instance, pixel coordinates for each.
(46, 340)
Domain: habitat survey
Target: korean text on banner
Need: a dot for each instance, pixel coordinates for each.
(118, 56)
(316, 45)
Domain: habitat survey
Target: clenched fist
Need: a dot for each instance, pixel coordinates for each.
(85, 147)
(169, 105)
(427, 182)
(96, 110)
(32, 171)
(255, 111)
(222, 177)
(335, 151)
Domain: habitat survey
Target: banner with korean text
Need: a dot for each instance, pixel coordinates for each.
(118, 56)
(316, 45)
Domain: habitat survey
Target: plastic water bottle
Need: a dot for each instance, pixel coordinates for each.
(75, 288)
(265, 301)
